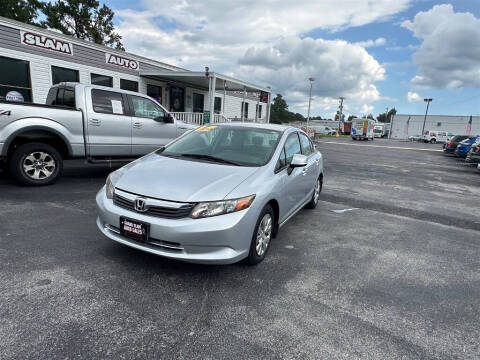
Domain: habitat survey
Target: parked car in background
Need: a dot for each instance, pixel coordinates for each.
(473, 155)
(217, 194)
(97, 123)
(450, 146)
(433, 136)
(416, 137)
(464, 147)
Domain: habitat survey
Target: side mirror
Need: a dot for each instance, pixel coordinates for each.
(298, 160)
(168, 118)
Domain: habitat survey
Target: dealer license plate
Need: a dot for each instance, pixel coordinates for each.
(133, 229)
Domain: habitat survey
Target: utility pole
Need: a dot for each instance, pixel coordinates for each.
(427, 100)
(311, 79)
(340, 108)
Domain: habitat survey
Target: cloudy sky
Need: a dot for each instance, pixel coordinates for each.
(376, 53)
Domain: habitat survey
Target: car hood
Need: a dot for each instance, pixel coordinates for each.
(180, 180)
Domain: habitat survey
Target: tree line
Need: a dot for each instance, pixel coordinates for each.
(83, 19)
(279, 113)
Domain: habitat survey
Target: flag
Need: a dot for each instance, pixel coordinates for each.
(406, 125)
(469, 125)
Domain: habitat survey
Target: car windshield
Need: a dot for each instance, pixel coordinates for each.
(231, 145)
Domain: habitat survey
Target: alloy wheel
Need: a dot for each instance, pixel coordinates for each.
(316, 193)
(39, 165)
(264, 234)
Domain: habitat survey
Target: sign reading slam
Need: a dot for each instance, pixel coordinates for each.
(121, 61)
(46, 42)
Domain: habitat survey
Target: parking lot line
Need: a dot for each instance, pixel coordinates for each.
(381, 146)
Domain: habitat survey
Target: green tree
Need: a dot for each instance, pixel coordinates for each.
(386, 117)
(279, 110)
(351, 117)
(25, 11)
(83, 19)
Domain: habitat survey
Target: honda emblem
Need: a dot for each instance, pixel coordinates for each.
(140, 205)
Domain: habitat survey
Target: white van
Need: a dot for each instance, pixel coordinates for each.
(434, 136)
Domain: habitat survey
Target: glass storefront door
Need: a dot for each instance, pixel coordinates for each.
(177, 99)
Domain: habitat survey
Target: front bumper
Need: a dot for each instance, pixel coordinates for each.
(223, 239)
(473, 158)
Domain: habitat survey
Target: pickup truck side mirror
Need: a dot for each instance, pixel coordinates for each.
(168, 118)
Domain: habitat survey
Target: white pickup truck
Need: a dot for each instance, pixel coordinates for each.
(97, 123)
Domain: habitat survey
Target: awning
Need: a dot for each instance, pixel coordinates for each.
(200, 79)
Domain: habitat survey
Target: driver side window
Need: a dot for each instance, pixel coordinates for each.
(143, 107)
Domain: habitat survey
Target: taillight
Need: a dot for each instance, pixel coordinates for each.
(477, 149)
(450, 144)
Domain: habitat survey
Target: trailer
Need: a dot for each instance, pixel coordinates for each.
(362, 129)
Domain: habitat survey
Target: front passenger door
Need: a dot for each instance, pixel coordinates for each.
(149, 131)
(310, 171)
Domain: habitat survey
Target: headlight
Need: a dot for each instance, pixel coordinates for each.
(110, 189)
(214, 208)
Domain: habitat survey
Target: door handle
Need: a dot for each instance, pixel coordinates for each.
(304, 171)
(137, 125)
(95, 122)
(5, 112)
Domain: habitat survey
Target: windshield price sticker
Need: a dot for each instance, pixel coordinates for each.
(206, 128)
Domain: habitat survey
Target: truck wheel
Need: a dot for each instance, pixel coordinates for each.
(433, 141)
(36, 164)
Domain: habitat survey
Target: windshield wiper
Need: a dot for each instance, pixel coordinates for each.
(210, 158)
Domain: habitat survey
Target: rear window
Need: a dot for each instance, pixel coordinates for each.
(61, 96)
(459, 138)
(107, 102)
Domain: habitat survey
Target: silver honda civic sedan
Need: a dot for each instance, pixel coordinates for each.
(217, 194)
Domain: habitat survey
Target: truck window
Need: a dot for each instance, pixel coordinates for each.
(52, 96)
(107, 102)
(143, 107)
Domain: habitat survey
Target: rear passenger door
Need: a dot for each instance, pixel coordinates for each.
(109, 125)
(149, 130)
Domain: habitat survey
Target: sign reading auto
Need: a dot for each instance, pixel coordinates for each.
(121, 61)
(46, 42)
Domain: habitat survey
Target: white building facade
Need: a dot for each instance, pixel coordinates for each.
(457, 125)
(33, 59)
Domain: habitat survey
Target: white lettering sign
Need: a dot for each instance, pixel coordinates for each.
(121, 61)
(46, 42)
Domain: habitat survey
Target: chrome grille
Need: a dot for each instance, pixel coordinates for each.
(178, 212)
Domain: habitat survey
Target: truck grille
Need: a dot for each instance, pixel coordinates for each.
(158, 211)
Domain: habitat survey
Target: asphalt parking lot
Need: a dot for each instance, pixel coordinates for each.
(386, 267)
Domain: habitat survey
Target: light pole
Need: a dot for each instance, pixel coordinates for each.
(427, 100)
(311, 79)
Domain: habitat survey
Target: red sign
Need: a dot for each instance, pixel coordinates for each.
(264, 96)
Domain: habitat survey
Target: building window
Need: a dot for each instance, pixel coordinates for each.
(177, 99)
(129, 85)
(107, 102)
(198, 103)
(245, 110)
(259, 111)
(154, 92)
(101, 80)
(15, 80)
(60, 74)
(218, 105)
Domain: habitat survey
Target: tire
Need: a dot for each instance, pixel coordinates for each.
(36, 164)
(258, 251)
(433, 141)
(314, 200)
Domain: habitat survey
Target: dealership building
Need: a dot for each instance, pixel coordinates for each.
(33, 59)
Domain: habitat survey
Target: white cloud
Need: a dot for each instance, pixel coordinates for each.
(449, 55)
(252, 40)
(371, 43)
(413, 96)
(366, 109)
